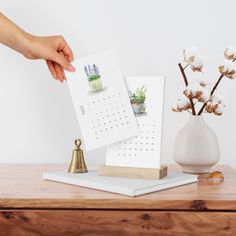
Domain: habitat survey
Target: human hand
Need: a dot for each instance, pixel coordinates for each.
(54, 50)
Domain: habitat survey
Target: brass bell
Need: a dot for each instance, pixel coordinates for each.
(77, 164)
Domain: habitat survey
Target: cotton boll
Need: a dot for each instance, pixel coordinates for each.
(182, 104)
(192, 90)
(218, 99)
(228, 69)
(192, 57)
(215, 105)
(230, 53)
(176, 108)
(205, 95)
(218, 110)
(204, 83)
(210, 107)
(198, 63)
(227, 65)
(234, 75)
(196, 91)
(208, 87)
(189, 54)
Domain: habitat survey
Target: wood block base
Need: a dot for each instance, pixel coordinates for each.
(131, 172)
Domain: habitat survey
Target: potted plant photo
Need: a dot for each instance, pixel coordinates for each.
(137, 100)
(94, 78)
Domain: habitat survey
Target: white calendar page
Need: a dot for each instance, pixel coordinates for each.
(101, 101)
(144, 151)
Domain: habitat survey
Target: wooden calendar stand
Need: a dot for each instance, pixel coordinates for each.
(131, 172)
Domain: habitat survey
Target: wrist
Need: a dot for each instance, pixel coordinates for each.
(25, 44)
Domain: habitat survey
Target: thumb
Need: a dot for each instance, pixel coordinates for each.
(60, 59)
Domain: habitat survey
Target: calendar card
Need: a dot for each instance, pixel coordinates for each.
(146, 97)
(101, 101)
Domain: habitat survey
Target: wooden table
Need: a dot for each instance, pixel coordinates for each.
(31, 206)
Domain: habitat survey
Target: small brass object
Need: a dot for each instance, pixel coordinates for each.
(77, 164)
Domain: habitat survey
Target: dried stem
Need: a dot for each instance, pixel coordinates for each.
(185, 66)
(189, 112)
(186, 84)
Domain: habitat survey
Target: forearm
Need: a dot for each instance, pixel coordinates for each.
(53, 49)
(13, 36)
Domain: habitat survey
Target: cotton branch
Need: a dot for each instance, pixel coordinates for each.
(186, 84)
(212, 91)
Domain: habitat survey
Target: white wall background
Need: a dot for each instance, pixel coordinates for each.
(37, 120)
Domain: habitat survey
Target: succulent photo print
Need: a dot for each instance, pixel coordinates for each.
(94, 77)
(137, 99)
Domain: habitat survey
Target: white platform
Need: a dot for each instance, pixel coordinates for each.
(126, 186)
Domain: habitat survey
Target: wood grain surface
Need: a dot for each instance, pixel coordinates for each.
(132, 172)
(22, 187)
(30, 206)
(116, 223)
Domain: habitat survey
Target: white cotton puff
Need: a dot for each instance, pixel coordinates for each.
(227, 66)
(219, 110)
(230, 53)
(181, 104)
(192, 89)
(215, 105)
(208, 87)
(228, 69)
(183, 101)
(195, 90)
(190, 54)
(233, 76)
(198, 63)
(217, 99)
(204, 96)
(176, 108)
(202, 82)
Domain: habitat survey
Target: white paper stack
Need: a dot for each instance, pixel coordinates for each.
(130, 187)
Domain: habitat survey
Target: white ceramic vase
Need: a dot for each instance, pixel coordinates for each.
(196, 147)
